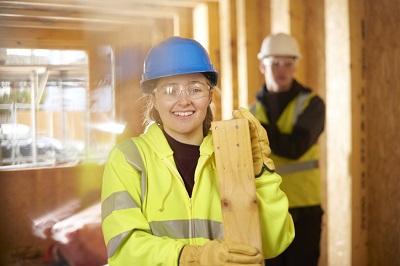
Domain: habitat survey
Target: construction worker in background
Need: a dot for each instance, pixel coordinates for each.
(294, 118)
(160, 197)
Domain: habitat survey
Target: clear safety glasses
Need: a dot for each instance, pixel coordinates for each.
(172, 91)
(275, 63)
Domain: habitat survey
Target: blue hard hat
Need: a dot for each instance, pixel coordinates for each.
(176, 56)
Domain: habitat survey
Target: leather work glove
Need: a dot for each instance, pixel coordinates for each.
(220, 252)
(259, 142)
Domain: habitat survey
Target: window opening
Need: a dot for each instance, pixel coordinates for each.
(48, 114)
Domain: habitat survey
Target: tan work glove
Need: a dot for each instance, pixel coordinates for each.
(259, 142)
(220, 252)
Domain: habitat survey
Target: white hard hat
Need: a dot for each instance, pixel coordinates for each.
(279, 44)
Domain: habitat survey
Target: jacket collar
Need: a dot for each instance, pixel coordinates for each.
(155, 138)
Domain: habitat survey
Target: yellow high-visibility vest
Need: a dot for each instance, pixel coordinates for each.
(301, 178)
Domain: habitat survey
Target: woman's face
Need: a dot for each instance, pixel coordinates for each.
(183, 117)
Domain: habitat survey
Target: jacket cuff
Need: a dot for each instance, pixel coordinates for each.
(264, 167)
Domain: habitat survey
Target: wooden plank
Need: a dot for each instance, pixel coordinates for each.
(237, 189)
(280, 16)
(307, 25)
(228, 40)
(338, 172)
(253, 25)
(214, 46)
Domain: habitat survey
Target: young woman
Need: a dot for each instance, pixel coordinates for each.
(160, 199)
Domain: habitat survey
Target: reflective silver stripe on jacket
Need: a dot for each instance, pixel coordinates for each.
(122, 200)
(298, 109)
(253, 109)
(132, 156)
(296, 167)
(177, 229)
(117, 201)
(114, 243)
(184, 229)
(174, 229)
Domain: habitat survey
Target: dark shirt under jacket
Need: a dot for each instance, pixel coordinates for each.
(186, 157)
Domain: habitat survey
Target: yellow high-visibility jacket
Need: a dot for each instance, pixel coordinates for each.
(301, 177)
(148, 216)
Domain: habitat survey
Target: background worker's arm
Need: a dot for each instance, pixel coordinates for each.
(309, 126)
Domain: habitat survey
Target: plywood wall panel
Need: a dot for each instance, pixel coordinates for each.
(359, 163)
(382, 61)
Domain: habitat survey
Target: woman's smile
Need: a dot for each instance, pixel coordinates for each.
(183, 114)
